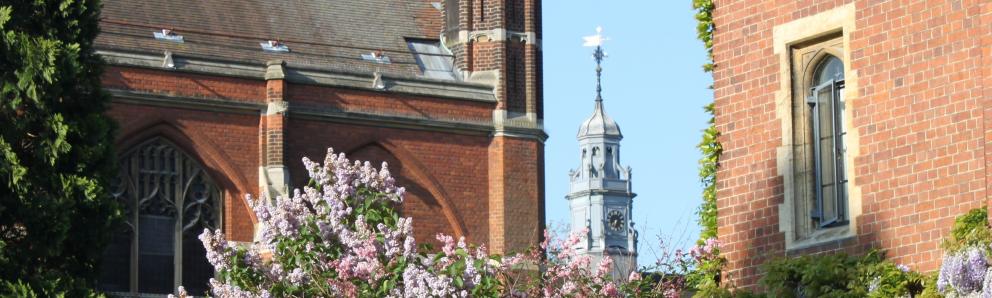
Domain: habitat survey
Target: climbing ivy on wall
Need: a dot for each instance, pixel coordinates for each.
(704, 28)
(707, 277)
(708, 146)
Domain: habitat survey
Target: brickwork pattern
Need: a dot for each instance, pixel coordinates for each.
(232, 136)
(517, 62)
(922, 113)
(449, 175)
(186, 85)
(393, 104)
(453, 166)
(518, 185)
(272, 125)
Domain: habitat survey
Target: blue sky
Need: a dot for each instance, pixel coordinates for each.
(653, 86)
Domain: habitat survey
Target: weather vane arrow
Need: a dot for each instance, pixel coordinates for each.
(594, 40)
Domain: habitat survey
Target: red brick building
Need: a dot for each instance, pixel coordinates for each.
(232, 94)
(849, 125)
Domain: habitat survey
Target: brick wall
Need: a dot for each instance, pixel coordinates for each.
(517, 192)
(394, 104)
(184, 84)
(225, 145)
(449, 175)
(444, 173)
(921, 115)
(517, 61)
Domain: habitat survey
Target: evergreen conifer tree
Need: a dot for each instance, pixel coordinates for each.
(56, 155)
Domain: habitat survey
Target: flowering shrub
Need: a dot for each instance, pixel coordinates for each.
(840, 275)
(342, 236)
(965, 269)
(669, 275)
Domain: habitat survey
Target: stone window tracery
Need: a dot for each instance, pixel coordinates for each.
(168, 200)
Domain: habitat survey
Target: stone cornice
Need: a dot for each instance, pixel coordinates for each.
(495, 35)
(328, 114)
(587, 192)
(467, 127)
(307, 75)
(175, 101)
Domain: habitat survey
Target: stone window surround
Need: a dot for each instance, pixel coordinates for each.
(218, 196)
(839, 20)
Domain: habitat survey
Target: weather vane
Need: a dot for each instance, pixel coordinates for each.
(597, 41)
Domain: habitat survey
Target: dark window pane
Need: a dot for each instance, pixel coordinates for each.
(155, 274)
(825, 104)
(156, 235)
(196, 270)
(115, 270)
(829, 205)
(829, 69)
(839, 146)
(826, 162)
(156, 253)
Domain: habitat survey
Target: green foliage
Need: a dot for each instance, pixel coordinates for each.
(711, 149)
(55, 148)
(706, 277)
(45, 288)
(723, 292)
(930, 287)
(970, 230)
(839, 275)
(705, 28)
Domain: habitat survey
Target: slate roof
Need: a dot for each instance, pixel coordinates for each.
(325, 34)
(599, 124)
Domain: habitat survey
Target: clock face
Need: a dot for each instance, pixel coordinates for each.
(615, 220)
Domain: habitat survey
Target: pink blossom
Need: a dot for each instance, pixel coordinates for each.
(610, 290)
(634, 276)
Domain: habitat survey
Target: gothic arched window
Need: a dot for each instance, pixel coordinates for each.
(169, 199)
(826, 101)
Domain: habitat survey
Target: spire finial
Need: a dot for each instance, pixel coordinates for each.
(597, 41)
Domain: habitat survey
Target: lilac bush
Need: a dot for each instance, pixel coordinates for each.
(566, 273)
(965, 272)
(341, 236)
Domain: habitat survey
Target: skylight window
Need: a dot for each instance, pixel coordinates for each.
(168, 35)
(274, 46)
(377, 57)
(434, 62)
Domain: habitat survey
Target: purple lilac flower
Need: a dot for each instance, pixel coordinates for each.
(297, 277)
(963, 272)
(349, 251)
(903, 268)
(944, 277)
(974, 273)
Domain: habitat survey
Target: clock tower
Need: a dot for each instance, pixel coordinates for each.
(600, 197)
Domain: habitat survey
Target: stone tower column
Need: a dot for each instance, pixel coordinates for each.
(273, 173)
